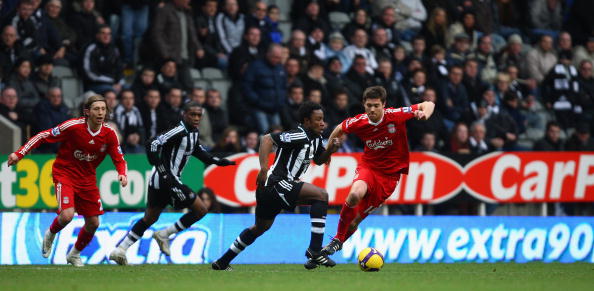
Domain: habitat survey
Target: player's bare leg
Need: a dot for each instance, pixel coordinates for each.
(63, 219)
(245, 238)
(197, 211)
(318, 199)
(348, 214)
(84, 238)
(151, 215)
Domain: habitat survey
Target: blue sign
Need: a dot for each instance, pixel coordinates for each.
(402, 239)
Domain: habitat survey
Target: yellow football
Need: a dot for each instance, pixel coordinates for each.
(370, 260)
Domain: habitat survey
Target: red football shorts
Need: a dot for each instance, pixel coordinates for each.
(379, 188)
(85, 199)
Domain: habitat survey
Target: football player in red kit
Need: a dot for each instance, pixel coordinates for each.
(85, 143)
(385, 158)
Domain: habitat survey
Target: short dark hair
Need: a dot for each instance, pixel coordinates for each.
(551, 124)
(306, 109)
(191, 104)
(375, 92)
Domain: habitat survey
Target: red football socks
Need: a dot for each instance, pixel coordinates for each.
(84, 238)
(347, 215)
(56, 226)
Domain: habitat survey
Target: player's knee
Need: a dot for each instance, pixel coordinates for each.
(323, 195)
(353, 199)
(149, 219)
(200, 211)
(92, 225)
(66, 217)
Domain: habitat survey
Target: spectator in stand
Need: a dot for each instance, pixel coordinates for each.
(168, 77)
(416, 86)
(11, 110)
(205, 128)
(585, 52)
(478, 145)
(399, 62)
(250, 49)
(512, 54)
(459, 142)
(142, 83)
(216, 114)
(129, 121)
(459, 50)
(228, 142)
(486, 59)
(581, 139)
(174, 37)
(298, 49)
(437, 67)
(435, 124)
(586, 97)
(453, 100)
(435, 29)
(173, 106)
(419, 49)
(315, 96)
(510, 17)
(315, 44)
(410, 17)
(359, 48)
(20, 80)
(384, 76)
(546, 16)
(210, 200)
(360, 21)
(580, 23)
(102, 65)
(336, 80)
(511, 106)
(152, 113)
(111, 99)
(43, 78)
(380, 46)
(293, 70)
(502, 131)
(312, 18)
(552, 140)
(472, 82)
(250, 142)
(387, 21)
(336, 50)
(564, 42)
(290, 112)
(67, 52)
(214, 54)
(10, 51)
(264, 86)
(258, 19)
(467, 26)
(358, 79)
(134, 22)
(230, 26)
(541, 59)
(427, 143)
(275, 35)
(314, 80)
(49, 112)
(337, 111)
(86, 23)
(502, 86)
(561, 91)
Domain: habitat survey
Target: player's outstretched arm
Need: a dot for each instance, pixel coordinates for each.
(266, 144)
(427, 108)
(334, 143)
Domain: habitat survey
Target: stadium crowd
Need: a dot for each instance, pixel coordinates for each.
(504, 74)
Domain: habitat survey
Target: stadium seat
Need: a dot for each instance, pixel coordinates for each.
(223, 87)
(338, 20)
(195, 74)
(62, 72)
(284, 6)
(204, 84)
(212, 74)
(285, 28)
(71, 90)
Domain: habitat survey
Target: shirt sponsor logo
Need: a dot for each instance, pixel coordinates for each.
(56, 131)
(79, 155)
(378, 144)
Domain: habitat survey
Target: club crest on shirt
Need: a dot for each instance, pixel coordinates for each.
(391, 128)
(285, 137)
(65, 200)
(56, 131)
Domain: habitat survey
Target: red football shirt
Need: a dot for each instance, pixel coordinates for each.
(386, 145)
(81, 151)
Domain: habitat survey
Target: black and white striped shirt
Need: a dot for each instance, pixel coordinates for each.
(169, 152)
(295, 151)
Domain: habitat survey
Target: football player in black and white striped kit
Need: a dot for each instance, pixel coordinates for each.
(279, 188)
(169, 153)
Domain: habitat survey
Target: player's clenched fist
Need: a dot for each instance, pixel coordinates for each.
(12, 159)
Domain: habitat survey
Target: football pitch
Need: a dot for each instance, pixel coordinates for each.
(464, 276)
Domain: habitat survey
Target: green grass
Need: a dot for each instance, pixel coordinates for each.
(501, 276)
